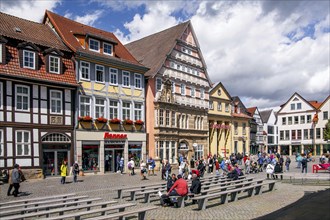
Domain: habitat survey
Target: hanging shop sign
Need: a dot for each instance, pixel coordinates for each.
(218, 126)
(114, 136)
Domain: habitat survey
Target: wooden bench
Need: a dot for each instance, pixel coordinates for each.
(101, 211)
(121, 215)
(58, 201)
(59, 211)
(63, 196)
(318, 167)
(121, 190)
(134, 192)
(233, 193)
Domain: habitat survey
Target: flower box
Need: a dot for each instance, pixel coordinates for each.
(85, 119)
(128, 122)
(115, 121)
(139, 122)
(102, 120)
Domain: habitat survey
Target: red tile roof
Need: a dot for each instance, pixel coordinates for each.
(67, 29)
(251, 110)
(241, 115)
(12, 68)
(29, 31)
(315, 104)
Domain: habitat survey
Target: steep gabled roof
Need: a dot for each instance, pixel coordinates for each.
(326, 99)
(282, 106)
(152, 50)
(315, 104)
(29, 31)
(251, 110)
(219, 84)
(265, 115)
(67, 29)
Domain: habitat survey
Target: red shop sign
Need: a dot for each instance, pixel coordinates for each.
(114, 136)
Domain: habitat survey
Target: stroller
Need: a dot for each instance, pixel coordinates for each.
(254, 168)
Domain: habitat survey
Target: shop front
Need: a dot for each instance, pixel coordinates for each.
(284, 149)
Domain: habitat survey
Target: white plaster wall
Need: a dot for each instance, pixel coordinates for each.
(10, 163)
(9, 103)
(24, 162)
(43, 107)
(36, 149)
(67, 95)
(9, 119)
(9, 149)
(35, 106)
(35, 119)
(35, 91)
(22, 117)
(67, 120)
(67, 109)
(36, 161)
(44, 119)
(43, 92)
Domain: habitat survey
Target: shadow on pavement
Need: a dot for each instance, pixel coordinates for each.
(313, 205)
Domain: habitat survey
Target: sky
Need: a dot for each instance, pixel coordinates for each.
(262, 51)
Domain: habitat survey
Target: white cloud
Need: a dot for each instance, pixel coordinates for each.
(88, 19)
(29, 9)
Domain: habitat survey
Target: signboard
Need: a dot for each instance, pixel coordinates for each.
(218, 126)
(56, 120)
(114, 136)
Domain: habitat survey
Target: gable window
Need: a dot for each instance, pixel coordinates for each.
(126, 79)
(193, 91)
(298, 106)
(183, 89)
(158, 84)
(85, 106)
(227, 107)
(138, 111)
(113, 76)
(126, 110)
(325, 113)
(94, 45)
(23, 144)
(29, 59)
(113, 109)
(84, 70)
(99, 73)
(22, 98)
(202, 94)
(55, 102)
(138, 80)
(1, 94)
(219, 106)
(99, 108)
(107, 49)
(293, 106)
(54, 64)
(211, 104)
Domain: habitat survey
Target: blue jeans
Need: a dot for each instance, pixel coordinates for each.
(304, 168)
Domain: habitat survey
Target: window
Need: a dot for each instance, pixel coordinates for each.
(1, 95)
(99, 70)
(298, 106)
(183, 89)
(296, 120)
(270, 129)
(158, 84)
(293, 106)
(173, 119)
(299, 134)
(113, 76)
(126, 110)
(193, 91)
(287, 135)
(325, 114)
(211, 104)
(202, 93)
(305, 134)
(244, 128)
(173, 87)
(138, 111)
(161, 117)
(94, 45)
(126, 82)
(290, 120)
(293, 135)
(199, 152)
(22, 98)
(183, 121)
(167, 118)
(156, 117)
(107, 49)
(219, 106)
(227, 107)
(99, 108)
(311, 133)
(283, 121)
(1, 55)
(1, 143)
(309, 118)
(236, 128)
(281, 135)
(55, 102)
(178, 66)
(54, 64)
(29, 59)
(85, 106)
(270, 140)
(84, 70)
(113, 109)
(318, 133)
(23, 143)
(138, 80)
(302, 119)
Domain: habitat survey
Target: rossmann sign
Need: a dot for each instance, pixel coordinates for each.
(114, 136)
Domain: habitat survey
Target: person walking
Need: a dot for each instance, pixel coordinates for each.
(64, 171)
(75, 171)
(151, 166)
(304, 162)
(118, 163)
(143, 170)
(130, 166)
(121, 166)
(15, 179)
(287, 163)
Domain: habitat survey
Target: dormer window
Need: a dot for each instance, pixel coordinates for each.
(1, 53)
(29, 58)
(94, 45)
(54, 64)
(3, 42)
(107, 49)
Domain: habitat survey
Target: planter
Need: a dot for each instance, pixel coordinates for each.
(86, 125)
(115, 127)
(138, 127)
(128, 127)
(100, 125)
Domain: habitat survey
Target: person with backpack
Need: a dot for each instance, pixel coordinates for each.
(287, 163)
(130, 166)
(304, 161)
(75, 171)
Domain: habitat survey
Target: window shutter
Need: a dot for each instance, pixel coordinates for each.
(37, 60)
(61, 65)
(47, 63)
(20, 52)
(3, 52)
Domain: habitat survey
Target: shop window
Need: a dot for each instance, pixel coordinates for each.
(135, 152)
(90, 157)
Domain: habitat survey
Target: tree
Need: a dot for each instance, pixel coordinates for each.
(326, 132)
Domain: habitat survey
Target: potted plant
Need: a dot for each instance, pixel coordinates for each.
(86, 118)
(115, 121)
(101, 120)
(128, 122)
(139, 122)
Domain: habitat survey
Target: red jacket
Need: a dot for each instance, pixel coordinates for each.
(181, 187)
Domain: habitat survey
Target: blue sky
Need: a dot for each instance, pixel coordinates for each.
(262, 51)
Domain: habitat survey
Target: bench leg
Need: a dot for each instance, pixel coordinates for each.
(258, 190)
(224, 198)
(233, 196)
(133, 196)
(202, 204)
(181, 202)
(271, 186)
(141, 215)
(120, 195)
(147, 197)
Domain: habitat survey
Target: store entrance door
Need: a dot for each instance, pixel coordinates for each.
(110, 159)
(52, 161)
